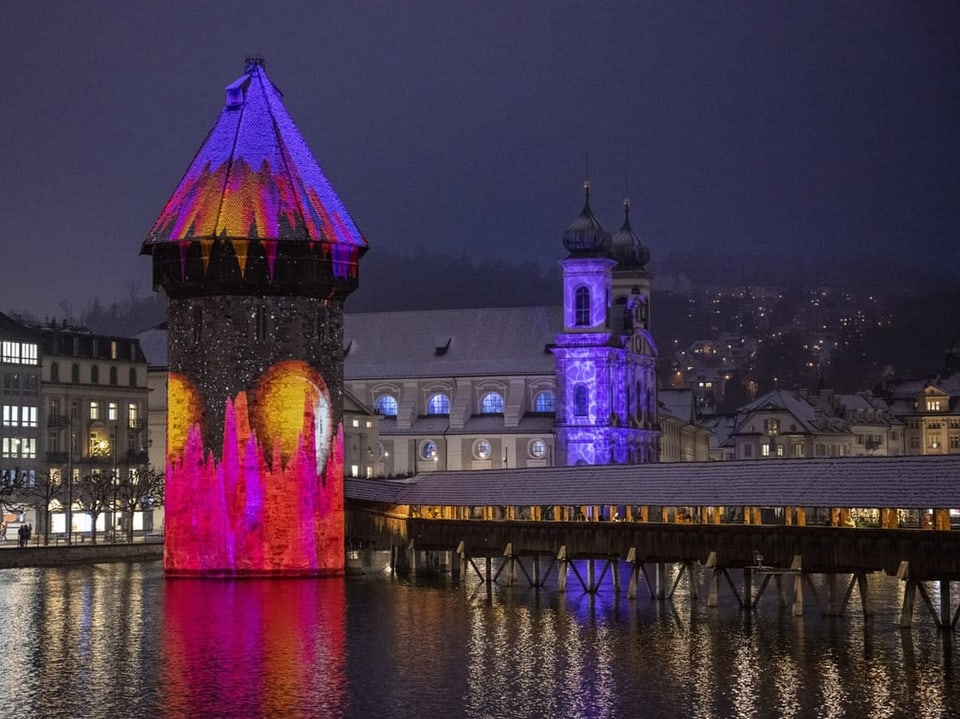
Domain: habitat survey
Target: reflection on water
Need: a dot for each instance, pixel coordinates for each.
(123, 641)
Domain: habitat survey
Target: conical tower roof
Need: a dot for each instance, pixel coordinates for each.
(254, 178)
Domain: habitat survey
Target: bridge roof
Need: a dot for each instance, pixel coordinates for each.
(890, 482)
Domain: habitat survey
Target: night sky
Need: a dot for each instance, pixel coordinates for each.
(766, 131)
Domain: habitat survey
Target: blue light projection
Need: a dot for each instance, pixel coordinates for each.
(606, 391)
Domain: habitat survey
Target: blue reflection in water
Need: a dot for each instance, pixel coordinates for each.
(122, 641)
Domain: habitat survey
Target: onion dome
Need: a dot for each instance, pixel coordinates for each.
(254, 213)
(585, 235)
(626, 247)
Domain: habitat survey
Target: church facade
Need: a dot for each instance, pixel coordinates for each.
(495, 388)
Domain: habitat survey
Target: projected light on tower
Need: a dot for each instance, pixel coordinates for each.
(257, 255)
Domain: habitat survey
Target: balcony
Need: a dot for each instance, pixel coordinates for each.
(136, 424)
(56, 457)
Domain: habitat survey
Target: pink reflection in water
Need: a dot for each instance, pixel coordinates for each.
(255, 647)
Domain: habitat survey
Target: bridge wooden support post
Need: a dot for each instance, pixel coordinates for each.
(562, 569)
(797, 570)
(945, 619)
(660, 590)
(833, 607)
(615, 566)
(591, 576)
(462, 553)
(748, 600)
(909, 595)
(713, 591)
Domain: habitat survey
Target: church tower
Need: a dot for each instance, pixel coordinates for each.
(257, 255)
(605, 356)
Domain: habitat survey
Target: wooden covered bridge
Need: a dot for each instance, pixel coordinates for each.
(841, 517)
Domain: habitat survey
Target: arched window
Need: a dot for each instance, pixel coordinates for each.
(438, 404)
(75, 373)
(491, 403)
(133, 376)
(94, 375)
(580, 400)
(54, 372)
(582, 305)
(386, 405)
(113, 375)
(545, 401)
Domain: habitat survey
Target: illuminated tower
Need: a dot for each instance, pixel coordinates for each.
(605, 356)
(256, 254)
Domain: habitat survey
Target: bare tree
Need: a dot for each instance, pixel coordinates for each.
(142, 489)
(93, 495)
(39, 495)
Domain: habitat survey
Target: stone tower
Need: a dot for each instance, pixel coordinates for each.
(605, 356)
(256, 254)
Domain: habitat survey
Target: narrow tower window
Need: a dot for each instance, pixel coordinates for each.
(582, 305)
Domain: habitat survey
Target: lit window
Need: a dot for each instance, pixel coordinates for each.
(491, 403)
(28, 416)
(386, 405)
(133, 413)
(538, 449)
(481, 449)
(11, 416)
(356, 422)
(11, 352)
(933, 405)
(94, 410)
(112, 411)
(798, 450)
(582, 305)
(428, 450)
(438, 404)
(545, 401)
(765, 449)
(580, 400)
(28, 353)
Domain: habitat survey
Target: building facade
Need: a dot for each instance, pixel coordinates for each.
(21, 438)
(94, 405)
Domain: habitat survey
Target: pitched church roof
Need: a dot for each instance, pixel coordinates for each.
(255, 178)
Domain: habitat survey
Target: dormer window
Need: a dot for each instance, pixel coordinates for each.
(933, 404)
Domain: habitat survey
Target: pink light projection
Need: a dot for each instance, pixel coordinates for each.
(273, 503)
